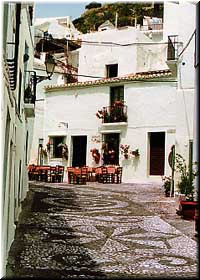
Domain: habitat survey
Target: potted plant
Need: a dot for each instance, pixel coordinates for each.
(135, 153)
(95, 155)
(186, 187)
(125, 150)
(167, 181)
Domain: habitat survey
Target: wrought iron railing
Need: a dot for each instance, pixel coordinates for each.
(172, 50)
(113, 114)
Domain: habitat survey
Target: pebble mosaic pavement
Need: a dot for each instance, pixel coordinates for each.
(97, 232)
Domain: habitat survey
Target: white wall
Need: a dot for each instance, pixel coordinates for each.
(179, 19)
(14, 147)
(133, 58)
(151, 108)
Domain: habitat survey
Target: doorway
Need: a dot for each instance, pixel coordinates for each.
(157, 153)
(79, 150)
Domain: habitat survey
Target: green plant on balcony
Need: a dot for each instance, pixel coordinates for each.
(103, 114)
(117, 113)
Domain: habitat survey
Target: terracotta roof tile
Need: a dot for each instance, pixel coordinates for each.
(129, 77)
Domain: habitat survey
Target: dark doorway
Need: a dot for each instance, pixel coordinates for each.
(111, 148)
(157, 153)
(79, 151)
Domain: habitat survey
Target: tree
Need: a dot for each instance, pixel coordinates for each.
(93, 5)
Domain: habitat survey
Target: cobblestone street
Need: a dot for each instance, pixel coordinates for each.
(102, 231)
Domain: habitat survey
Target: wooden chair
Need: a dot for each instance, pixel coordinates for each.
(36, 173)
(98, 173)
(84, 175)
(71, 176)
(31, 168)
(118, 175)
(110, 174)
(44, 173)
(77, 175)
(59, 173)
(103, 175)
(53, 174)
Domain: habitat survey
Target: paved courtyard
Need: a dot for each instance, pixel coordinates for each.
(102, 231)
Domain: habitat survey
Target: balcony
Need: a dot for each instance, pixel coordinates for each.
(116, 114)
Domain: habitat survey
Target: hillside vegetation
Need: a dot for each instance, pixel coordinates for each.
(96, 14)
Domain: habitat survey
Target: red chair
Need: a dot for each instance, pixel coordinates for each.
(103, 175)
(44, 171)
(77, 175)
(53, 172)
(59, 173)
(71, 176)
(118, 175)
(110, 174)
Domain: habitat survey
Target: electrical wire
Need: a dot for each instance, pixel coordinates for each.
(104, 43)
(186, 46)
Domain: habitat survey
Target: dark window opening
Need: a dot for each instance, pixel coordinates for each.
(56, 148)
(112, 70)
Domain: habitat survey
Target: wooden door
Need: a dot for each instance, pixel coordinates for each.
(157, 153)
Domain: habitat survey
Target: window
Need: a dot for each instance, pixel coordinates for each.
(111, 70)
(56, 148)
(116, 93)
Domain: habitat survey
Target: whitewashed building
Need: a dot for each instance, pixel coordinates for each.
(52, 35)
(18, 101)
(128, 66)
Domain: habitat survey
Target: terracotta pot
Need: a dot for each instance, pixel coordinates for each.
(196, 219)
(188, 209)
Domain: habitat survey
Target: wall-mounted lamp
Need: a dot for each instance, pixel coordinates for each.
(50, 66)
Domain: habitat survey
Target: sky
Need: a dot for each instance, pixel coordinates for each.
(52, 9)
(74, 9)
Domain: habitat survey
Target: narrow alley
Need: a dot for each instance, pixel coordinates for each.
(102, 231)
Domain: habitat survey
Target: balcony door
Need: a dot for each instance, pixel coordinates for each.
(79, 151)
(116, 94)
